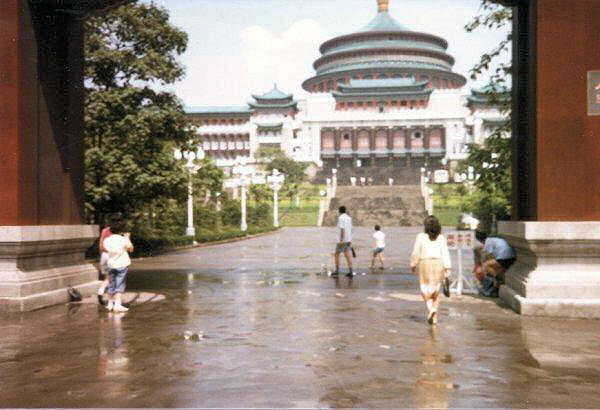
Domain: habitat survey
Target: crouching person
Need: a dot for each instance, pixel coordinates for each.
(118, 245)
(498, 256)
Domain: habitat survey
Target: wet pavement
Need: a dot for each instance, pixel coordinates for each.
(257, 323)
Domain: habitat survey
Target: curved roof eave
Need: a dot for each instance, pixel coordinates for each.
(272, 97)
(383, 93)
(378, 84)
(408, 50)
(334, 74)
(258, 105)
(428, 36)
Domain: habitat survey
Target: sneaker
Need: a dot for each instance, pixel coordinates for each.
(350, 274)
(109, 306)
(120, 308)
(335, 274)
(101, 300)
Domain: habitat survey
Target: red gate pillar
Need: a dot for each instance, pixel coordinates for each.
(42, 233)
(556, 160)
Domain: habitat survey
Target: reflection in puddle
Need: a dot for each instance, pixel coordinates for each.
(431, 388)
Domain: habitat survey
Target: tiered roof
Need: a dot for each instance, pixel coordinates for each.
(384, 48)
(487, 97)
(273, 99)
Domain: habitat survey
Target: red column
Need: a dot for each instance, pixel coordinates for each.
(41, 112)
(11, 212)
(567, 138)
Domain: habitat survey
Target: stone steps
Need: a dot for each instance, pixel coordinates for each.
(383, 205)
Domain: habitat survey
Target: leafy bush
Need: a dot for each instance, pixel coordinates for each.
(485, 207)
(205, 216)
(259, 215)
(231, 214)
(148, 245)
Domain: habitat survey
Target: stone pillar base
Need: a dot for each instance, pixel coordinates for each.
(557, 272)
(39, 263)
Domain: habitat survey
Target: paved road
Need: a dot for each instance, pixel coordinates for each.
(255, 324)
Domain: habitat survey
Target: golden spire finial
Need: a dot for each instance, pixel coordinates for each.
(382, 6)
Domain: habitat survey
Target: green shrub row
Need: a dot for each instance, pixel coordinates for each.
(151, 243)
(204, 236)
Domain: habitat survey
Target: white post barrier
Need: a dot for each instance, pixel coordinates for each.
(459, 241)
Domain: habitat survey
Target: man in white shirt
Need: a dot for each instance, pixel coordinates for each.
(379, 238)
(118, 248)
(344, 241)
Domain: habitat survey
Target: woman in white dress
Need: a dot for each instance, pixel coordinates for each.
(431, 258)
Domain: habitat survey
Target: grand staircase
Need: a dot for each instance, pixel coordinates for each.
(399, 205)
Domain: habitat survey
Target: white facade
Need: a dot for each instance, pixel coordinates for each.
(299, 136)
(446, 107)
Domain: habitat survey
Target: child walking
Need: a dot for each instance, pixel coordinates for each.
(379, 246)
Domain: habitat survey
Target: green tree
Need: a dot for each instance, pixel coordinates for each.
(294, 171)
(491, 161)
(208, 179)
(129, 125)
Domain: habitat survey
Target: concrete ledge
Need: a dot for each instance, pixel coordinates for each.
(39, 233)
(39, 263)
(553, 307)
(557, 272)
(41, 300)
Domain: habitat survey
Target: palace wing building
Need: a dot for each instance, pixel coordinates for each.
(383, 102)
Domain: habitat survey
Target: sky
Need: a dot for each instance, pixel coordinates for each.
(241, 47)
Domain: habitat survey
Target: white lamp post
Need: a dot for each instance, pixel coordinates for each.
(191, 168)
(322, 196)
(334, 177)
(275, 182)
(244, 173)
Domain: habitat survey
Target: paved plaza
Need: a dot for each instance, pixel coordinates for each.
(257, 323)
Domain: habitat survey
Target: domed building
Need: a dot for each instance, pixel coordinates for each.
(385, 50)
(383, 103)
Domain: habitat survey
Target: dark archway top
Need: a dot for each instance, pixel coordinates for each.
(77, 7)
